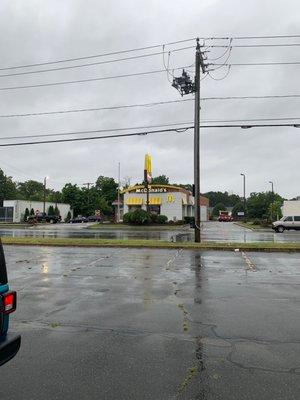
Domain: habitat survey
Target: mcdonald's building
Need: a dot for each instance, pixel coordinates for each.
(173, 201)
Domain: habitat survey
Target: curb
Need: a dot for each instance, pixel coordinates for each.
(238, 247)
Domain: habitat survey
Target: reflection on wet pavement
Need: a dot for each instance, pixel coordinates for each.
(212, 231)
(154, 324)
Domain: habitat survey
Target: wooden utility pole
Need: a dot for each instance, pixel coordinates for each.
(198, 63)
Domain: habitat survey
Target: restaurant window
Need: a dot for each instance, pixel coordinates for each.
(154, 209)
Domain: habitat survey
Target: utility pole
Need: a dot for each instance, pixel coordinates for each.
(244, 190)
(118, 217)
(44, 200)
(88, 184)
(185, 86)
(272, 186)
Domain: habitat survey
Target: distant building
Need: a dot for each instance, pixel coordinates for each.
(14, 210)
(173, 201)
(291, 208)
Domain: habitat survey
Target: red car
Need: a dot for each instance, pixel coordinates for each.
(225, 218)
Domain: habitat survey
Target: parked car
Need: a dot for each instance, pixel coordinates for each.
(224, 216)
(9, 343)
(52, 219)
(287, 223)
(78, 220)
(94, 218)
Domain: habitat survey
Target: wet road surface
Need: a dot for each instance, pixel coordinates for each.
(212, 231)
(154, 324)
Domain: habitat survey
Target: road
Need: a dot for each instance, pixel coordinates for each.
(212, 231)
(154, 324)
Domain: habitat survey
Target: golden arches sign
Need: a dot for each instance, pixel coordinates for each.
(170, 198)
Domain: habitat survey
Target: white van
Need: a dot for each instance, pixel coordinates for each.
(286, 223)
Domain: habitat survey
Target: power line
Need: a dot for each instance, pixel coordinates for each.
(209, 121)
(251, 37)
(94, 63)
(87, 80)
(96, 55)
(153, 104)
(256, 45)
(178, 130)
(285, 96)
(79, 110)
(258, 63)
(97, 137)
(93, 131)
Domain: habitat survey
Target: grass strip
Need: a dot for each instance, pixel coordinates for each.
(171, 227)
(249, 225)
(157, 244)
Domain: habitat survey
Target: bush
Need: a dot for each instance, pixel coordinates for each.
(189, 220)
(139, 217)
(256, 221)
(26, 215)
(68, 217)
(162, 219)
(154, 218)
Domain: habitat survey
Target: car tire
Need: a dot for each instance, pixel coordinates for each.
(280, 229)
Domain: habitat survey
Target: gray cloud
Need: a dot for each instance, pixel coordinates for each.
(40, 31)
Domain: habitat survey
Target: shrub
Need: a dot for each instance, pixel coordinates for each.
(256, 221)
(154, 218)
(127, 218)
(189, 220)
(162, 219)
(68, 217)
(139, 217)
(26, 215)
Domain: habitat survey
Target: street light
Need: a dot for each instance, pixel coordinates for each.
(44, 205)
(272, 187)
(244, 190)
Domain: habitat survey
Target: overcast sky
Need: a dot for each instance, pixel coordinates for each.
(35, 31)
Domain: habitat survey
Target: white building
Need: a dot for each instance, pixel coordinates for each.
(173, 201)
(14, 210)
(291, 208)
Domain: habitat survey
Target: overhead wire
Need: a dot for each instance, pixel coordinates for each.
(146, 133)
(94, 63)
(85, 80)
(153, 104)
(96, 55)
(92, 131)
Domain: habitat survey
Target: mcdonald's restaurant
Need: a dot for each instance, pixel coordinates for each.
(173, 201)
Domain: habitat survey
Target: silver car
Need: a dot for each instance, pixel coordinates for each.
(286, 223)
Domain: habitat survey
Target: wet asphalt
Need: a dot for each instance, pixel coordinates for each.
(154, 324)
(211, 231)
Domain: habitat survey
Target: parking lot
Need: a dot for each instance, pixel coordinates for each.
(211, 232)
(154, 324)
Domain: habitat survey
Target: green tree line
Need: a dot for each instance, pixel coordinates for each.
(82, 200)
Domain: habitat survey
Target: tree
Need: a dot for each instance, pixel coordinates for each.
(31, 190)
(218, 207)
(55, 196)
(160, 180)
(68, 217)
(50, 210)
(274, 210)
(7, 188)
(56, 211)
(229, 200)
(107, 189)
(26, 214)
(258, 204)
(238, 207)
(71, 194)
